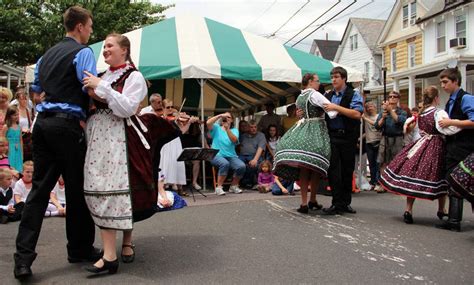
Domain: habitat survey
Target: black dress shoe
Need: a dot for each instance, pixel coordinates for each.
(128, 258)
(407, 217)
(94, 255)
(314, 206)
(348, 209)
(22, 271)
(303, 209)
(110, 266)
(333, 210)
(452, 226)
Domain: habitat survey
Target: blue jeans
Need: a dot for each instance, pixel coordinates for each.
(224, 163)
(276, 190)
(372, 152)
(251, 173)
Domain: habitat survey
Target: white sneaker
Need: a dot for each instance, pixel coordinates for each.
(197, 187)
(235, 189)
(219, 191)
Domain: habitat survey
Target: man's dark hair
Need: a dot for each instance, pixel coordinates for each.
(341, 71)
(452, 74)
(75, 15)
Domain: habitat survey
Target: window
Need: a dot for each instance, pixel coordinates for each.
(366, 71)
(411, 55)
(460, 26)
(412, 13)
(405, 16)
(409, 14)
(353, 40)
(441, 36)
(393, 59)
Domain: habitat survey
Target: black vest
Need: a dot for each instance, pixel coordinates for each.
(351, 126)
(466, 135)
(57, 74)
(5, 199)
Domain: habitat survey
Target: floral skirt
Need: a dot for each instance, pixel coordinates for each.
(106, 174)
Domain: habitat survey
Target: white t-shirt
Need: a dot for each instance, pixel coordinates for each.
(60, 193)
(20, 189)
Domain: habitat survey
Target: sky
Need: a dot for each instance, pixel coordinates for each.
(265, 17)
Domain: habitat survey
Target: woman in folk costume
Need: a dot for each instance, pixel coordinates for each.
(303, 153)
(418, 171)
(118, 182)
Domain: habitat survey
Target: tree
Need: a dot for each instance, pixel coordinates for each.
(29, 28)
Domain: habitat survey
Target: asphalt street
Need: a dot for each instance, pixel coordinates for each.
(257, 238)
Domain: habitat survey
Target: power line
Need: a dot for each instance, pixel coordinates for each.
(259, 17)
(294, 14)
(323, 24)
(340, 17)
(338, 2)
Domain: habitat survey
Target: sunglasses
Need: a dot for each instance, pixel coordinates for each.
(168, 107)
(393, 96)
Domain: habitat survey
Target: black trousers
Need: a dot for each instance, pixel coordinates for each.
(341, 168)
(59, 149)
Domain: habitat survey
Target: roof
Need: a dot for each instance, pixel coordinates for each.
(327, 48)
(439, 7)
(369, 29)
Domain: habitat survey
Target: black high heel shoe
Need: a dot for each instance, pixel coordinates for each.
(128, 258)
(303, 209)
(314, 206)
(110, 266)
(407, 217)
(441, 215)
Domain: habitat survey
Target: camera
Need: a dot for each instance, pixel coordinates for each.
(224, 120)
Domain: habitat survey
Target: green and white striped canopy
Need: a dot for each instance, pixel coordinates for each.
(241, 70)
(196, 47)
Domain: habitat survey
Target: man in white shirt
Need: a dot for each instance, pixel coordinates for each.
(155, 105)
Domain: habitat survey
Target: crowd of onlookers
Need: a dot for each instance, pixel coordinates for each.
(17, 115)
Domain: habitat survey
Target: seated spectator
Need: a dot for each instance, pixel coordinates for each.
(225, 138)
(155, 105)
(57, 200)
(243, 128)
(269, 118)
(9, 212)
(252, 145)
(291, 118)
(4, 162)
(265, 177)
(391, 122)
(23, 186)
(273, 137)
(282, 186)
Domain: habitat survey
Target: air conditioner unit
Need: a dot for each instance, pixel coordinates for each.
(457, 43)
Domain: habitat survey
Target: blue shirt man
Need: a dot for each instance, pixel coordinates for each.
(83, 61)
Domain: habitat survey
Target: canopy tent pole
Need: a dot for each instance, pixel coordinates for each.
(361, 140)
(201, 83)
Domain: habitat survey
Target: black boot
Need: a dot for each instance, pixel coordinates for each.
(454, 215)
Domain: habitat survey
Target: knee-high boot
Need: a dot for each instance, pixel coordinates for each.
(454, 215)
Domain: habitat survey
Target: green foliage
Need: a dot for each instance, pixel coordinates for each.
(29, 28)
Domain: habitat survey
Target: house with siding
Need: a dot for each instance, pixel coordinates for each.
(402, 41)
(358, 49)
(449, 42)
